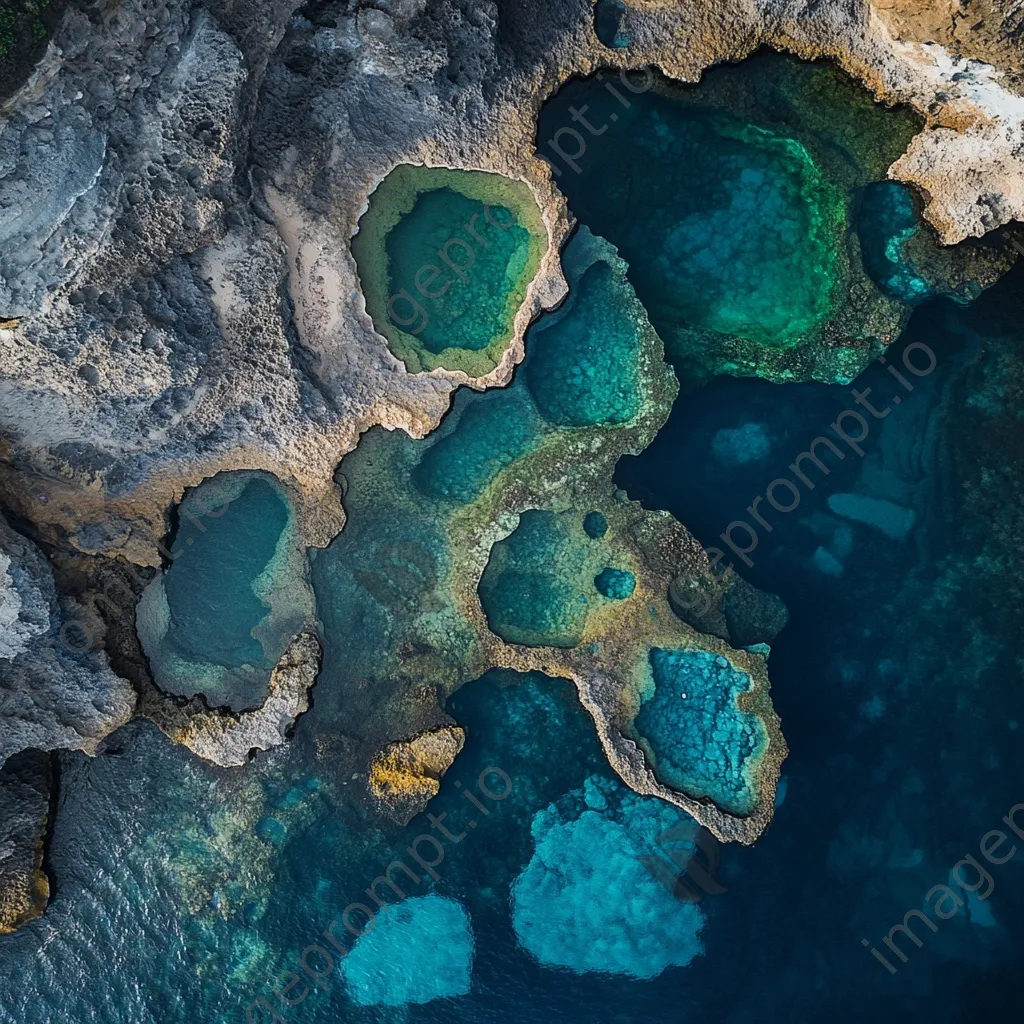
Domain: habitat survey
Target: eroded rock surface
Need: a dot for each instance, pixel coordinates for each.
(230, 739)
(55, 693)
(178, 294)
(405, 775)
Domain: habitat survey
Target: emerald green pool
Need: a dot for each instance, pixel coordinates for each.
(445, 258)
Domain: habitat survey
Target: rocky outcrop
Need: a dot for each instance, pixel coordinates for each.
(55, 692)
(178, 295)
(25, 784)
(231, 739)
(405, 775)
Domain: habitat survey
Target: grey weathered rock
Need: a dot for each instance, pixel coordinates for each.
(54, 692)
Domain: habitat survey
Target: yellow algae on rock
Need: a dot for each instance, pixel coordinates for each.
(406, 774)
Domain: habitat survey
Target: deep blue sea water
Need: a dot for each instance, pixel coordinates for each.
(182, 890)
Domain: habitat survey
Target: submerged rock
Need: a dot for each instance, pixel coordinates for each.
(893, 520)
(587, 900)
(25, 783)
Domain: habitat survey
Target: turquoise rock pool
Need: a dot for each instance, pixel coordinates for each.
(235, 592)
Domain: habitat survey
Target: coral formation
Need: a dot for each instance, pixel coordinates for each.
(586, 900)
(418, 950)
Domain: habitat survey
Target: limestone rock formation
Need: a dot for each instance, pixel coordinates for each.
(179, 187)
(54, 691)
(230, 739)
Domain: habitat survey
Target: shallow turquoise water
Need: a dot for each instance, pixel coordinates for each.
(725, 226)
(885, 223)
(616, 584)
(696, 730)
(209, 586)
(491, 435)
(534, 590)
(183, 890)
(582, 366)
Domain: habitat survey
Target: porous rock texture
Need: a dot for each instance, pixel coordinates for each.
(54, 692)
(230, 739)
(179, 184)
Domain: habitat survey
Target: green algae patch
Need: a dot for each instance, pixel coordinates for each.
(445, 258)
(692, 726)
(219, 618)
